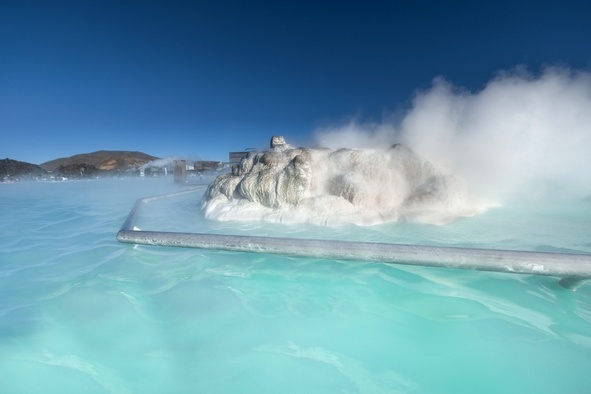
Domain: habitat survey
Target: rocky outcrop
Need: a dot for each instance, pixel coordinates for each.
(14, 170)
(286, 184)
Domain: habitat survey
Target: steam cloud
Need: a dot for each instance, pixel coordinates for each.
(159, 163)
(521, 135)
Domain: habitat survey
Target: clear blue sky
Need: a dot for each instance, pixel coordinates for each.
(200, 78)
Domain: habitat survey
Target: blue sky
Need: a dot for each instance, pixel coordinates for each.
(197, 79)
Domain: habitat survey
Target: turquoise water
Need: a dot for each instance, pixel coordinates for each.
(80, 312)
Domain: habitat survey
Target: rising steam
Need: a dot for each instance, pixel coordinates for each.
(160, 163)
(521, 135)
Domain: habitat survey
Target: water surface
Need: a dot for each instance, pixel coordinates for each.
(80, 312)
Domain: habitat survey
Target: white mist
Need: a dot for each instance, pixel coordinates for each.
(521, 136)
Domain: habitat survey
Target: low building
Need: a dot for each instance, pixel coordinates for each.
(204, 165)
(235, 157)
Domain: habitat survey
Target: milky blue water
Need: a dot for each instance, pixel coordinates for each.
(80, 312)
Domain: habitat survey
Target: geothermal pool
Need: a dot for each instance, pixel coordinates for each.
(81, 312)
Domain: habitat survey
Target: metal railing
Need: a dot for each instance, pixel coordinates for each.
(573, 269)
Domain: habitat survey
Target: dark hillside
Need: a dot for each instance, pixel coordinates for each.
(14, 169)
(102, 160)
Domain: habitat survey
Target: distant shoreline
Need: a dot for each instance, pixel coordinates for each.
(99, 164)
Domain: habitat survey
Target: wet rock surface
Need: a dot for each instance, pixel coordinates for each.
(288, 184)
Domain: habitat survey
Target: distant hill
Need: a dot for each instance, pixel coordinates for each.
(19, 169)
(102, 160)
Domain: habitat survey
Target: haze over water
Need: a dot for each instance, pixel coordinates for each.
(522, 138)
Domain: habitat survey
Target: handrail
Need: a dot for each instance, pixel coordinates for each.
(574, 269)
